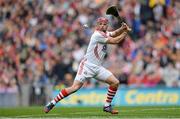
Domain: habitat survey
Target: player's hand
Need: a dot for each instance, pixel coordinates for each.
(126, 27)
(123, 26)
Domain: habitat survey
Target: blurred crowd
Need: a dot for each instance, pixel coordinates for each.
(43, 41)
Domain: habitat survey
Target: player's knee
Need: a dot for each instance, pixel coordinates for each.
(116, 82)
(113, 81)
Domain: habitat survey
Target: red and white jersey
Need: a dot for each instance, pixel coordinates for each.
(97, 48)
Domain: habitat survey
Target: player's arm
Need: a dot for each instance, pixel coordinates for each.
(117, 39)
(117, 32)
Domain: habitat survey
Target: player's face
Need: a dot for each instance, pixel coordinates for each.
(103, 26)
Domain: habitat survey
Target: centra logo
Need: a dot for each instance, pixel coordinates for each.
(159, 97)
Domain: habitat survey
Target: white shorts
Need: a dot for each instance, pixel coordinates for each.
(88, 70)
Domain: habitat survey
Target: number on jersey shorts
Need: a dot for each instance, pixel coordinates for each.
(88, 70)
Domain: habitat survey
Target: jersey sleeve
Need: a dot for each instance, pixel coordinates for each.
(100, 38)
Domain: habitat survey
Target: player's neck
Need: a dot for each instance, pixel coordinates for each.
(104, 31)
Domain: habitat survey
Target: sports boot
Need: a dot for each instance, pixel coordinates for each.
(110, 110)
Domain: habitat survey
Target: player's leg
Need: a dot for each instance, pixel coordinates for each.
(107, 77)
(62, 94)
(81, 76)
(67, 91)
(112, 89)
(113, 86)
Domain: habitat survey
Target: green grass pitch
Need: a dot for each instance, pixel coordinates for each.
(91, 112)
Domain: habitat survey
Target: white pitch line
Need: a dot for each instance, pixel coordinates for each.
(26, 116)
(150, 109)
(137, 110)
(38, 118)
(94, 117)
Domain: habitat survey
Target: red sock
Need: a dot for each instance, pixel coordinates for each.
(61, 95)
(111, 93)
